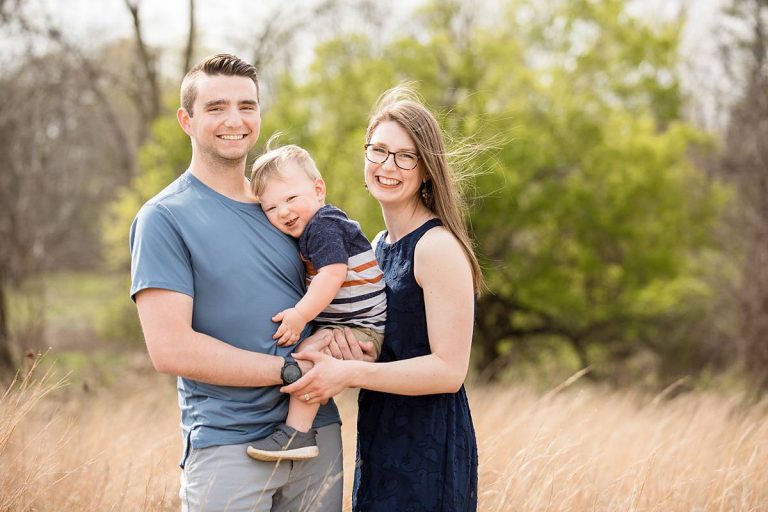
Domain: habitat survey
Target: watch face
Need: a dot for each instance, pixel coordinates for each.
(291, 373)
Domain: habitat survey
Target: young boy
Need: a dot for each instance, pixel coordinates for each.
(345, 286)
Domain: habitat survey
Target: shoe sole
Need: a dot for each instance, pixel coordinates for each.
(308, 452)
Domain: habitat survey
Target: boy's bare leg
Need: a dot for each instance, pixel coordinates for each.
(301, 414)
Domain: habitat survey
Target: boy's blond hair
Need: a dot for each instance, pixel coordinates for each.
(268, 165)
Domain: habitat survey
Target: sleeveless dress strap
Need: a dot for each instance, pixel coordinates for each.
(415, 234)
(431, 223)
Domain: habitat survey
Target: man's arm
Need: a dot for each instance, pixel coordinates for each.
(175, 348)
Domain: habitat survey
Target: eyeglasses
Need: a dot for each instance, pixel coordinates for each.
(405, 160)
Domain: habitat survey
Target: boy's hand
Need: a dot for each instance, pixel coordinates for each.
(290, 329)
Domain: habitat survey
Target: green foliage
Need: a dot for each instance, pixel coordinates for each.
(86, 370)
(116, 318)
(593, 225)
(595, 220)
(73, 309)
(327, 115)
(161, 160)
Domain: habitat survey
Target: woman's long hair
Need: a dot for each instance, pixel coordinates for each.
(403, 106)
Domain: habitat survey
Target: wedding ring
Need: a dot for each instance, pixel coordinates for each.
(306, 397)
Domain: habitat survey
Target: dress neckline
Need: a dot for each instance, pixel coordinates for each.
(428, 224)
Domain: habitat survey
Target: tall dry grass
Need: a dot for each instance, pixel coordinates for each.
(573, 449)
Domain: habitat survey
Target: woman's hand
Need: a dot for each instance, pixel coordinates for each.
(327, 378)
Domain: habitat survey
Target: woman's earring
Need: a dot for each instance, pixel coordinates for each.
(365, 185)
(426, 193)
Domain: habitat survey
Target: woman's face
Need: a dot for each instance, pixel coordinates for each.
(387, 182)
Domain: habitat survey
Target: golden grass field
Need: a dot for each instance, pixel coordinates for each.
(580, 447)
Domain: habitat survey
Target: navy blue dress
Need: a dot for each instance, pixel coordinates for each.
(414, 453)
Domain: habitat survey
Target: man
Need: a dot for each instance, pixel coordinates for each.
(208, 272)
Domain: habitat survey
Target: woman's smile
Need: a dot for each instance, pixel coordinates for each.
(387, 181)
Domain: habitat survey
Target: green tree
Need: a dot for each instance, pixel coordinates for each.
(593, 225)
(161, 159)
(595, 222)
(592, 222)
(164, 156)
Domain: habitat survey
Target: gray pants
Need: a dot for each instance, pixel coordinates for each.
(225, 479)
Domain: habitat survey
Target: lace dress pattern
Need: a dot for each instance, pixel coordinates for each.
(414, 453)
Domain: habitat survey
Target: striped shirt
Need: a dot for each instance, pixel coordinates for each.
(330, 238)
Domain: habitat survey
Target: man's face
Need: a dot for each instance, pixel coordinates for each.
(226, 118)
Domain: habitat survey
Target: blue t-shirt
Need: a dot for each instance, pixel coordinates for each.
(240, 271)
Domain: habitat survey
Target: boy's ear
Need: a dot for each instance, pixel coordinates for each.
(183, 117)
(320, 189)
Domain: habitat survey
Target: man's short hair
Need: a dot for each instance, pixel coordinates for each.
(219, 64)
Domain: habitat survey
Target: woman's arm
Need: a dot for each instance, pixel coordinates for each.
(443, 272)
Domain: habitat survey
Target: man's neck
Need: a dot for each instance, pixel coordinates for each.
(226, 179)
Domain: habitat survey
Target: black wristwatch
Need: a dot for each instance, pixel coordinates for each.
(291, 371)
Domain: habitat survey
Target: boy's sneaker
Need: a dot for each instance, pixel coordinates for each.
(285, 443)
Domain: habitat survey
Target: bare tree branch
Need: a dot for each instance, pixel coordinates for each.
(189, 50)
(148, 63)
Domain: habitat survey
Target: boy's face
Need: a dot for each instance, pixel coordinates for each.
(291, 200)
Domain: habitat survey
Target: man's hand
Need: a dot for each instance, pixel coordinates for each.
(326, 379)
(291, 327)
(317, 342)
(345, 345)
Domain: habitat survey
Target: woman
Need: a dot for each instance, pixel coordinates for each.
(416, 443)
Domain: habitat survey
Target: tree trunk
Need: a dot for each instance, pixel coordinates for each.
(7, 364)
(151, 106)
(189, 51)
(745, 164)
